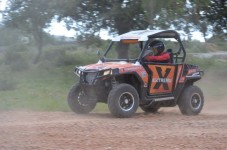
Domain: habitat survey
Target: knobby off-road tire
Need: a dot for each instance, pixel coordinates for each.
(78, 101)
(150, 109)
(191, 101)
(123, 101)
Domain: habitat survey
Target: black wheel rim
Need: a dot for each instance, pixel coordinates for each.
(82, 99)
(196, 101)
(126, 101)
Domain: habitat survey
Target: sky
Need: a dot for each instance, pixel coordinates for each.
(2, 4)
(59, 28)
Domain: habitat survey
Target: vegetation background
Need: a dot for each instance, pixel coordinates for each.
(36, 68)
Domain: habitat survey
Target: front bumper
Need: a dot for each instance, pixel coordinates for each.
(95, 83)
(94, 77)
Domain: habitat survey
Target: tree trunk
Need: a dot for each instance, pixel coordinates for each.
(40, 50)
(122, 50)
(39, 41)
(204, 36)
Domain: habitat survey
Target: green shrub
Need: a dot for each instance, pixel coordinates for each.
(68, 55)
(213, 63)
(201, 62)
(2, 58)
(57, 55)
(195, 46)
(7, 84)
(6, 79)
(16, 56)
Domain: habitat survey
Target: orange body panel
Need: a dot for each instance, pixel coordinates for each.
(123, 67)
(179, 73)
(162, 79)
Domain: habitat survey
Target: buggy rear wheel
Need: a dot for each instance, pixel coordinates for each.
(191, 101)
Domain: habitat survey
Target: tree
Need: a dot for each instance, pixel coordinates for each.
(31, 16)
(210, 17)
(207, 16)
(216, 14)
(162, 13)
(117, 16)
(10, 36)
(171, 14)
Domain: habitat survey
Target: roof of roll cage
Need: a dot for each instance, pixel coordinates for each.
(143, 35)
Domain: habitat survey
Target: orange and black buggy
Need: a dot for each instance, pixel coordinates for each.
(127, 82)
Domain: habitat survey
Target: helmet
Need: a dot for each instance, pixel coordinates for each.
(159, 45)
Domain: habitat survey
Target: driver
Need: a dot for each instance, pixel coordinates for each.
(158, 53)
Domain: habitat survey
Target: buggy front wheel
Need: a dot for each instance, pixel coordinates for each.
(79, 102)
(123, 101)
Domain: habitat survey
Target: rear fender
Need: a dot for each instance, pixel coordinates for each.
(191, 74)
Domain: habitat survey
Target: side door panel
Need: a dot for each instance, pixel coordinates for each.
(162, 78)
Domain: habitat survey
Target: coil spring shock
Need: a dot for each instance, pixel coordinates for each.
(114, 82)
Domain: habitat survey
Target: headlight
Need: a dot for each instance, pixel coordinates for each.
(107, 72)
(78, 70)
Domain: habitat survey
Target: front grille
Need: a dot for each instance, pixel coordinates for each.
(89, 76)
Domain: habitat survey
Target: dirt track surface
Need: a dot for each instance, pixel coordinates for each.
(168, 129)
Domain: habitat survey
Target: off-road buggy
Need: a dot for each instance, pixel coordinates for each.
(126, 83)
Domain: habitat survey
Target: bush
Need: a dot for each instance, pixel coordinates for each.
(57, 56)
(216, 63)
(16, 57)
(195, 46)
(6, 79)
(67, 55)
(6, 84)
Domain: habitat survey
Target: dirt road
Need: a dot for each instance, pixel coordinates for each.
(25, 130)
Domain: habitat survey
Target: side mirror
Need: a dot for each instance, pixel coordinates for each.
(98, 53)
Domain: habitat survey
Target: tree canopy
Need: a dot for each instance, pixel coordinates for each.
(30, 16)
(89, 17)
(119, 16)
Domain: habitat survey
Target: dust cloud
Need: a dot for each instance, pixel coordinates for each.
(213, 85)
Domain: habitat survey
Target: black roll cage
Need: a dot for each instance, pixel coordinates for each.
(161, 34)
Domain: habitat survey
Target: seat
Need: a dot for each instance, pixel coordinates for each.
(170, 51)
